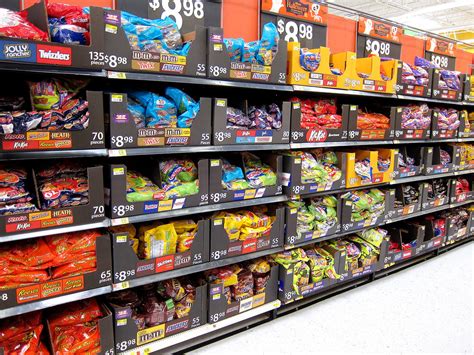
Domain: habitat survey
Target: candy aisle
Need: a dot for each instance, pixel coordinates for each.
(165, 183)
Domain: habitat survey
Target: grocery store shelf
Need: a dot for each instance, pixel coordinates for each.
(388, 221)
(197, 210)
(49, 69)
(200, 149)
(200, 332)
(428, 99)
(53, 154)
(53, 231)
(430, 177)
(193, 269)
(196, 81)
(340, 91)
(337, 144)
(34, 306)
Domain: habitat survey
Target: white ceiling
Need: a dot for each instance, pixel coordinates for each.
(438, 16)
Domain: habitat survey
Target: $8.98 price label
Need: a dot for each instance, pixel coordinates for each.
(176, 9)
(380, 48)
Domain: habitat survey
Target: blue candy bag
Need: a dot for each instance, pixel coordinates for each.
(309, 61)
(268, 48)
(231, 172)
(235, 48)
(186, 106)
(142, 97)
(160, 112)
(249, 52)
(138, 113)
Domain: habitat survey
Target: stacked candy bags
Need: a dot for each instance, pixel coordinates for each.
(14, 195)
(241, 281)
(56, 107)
(416, 117)
(53, 257)
(366, 120)
(175, 109)
(179, 178)
(319, 215)
(411, 195)
(257, 174)
(448, 119)
(445, 158)
(154, 36)
(263, 117)
(414, 74)
(75, 329)
(68, 24)
(21, 335)
(318, 166)
(246, 224)
(157, 239)
(63, 185)
(321, 114)
(366, 204)
(459, 217)
(438, 224)
(437, 188)
(462, 186)
(466, 153)
(261, 52)
(449, 79)
(395, 246)
(155, 304)
(406, 162)
(15, 25)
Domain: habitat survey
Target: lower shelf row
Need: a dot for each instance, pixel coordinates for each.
(125, 320)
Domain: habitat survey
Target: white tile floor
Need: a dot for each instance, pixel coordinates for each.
(425, 309)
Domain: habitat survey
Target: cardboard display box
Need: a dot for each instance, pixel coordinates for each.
(65, 285)
(192, 29)
(292, 237)
(413, 152)
(374, 83)
(350, 112)
(354, 180)
(314, 135)
(120, 207)
(28, 52)
(402, 234)
(123, 133)
(427, 203)
(221, 135)
(468, 85)
(396, 114)
(219, 309)
(413, 90)
(444, 94)
(348, 225)
(127, 265)
(432, 159)
(407, 209)
(454, 233)
(437, 133)
(221, 67)
(128, 336)
(218, 194)
(465, 130)
(292, 179)
(221, 247)
(42, 140)
(106, 331)
(465, 196)
(93, 212)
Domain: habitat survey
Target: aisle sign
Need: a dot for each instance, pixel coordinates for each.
(441, 52)
(301, 21)
(379, 38)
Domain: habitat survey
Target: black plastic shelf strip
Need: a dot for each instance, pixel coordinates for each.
(196, 81)
(200, 149)
(34, 306)
(54, 154)
(51, 70)
(198, 210)
(430, 177)
(388, 221)
(53, 231)
(193, 269)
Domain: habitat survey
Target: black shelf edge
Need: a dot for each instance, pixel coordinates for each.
(54, 154)
(54, 70)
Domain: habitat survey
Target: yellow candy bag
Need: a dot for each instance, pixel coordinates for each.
(183, 226)
(232, 224)
(185, 241)
(158, 242)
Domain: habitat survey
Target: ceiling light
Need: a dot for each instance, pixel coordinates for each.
(434, 8)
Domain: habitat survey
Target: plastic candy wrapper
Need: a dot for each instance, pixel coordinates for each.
(364, 170)
(311, 170)
(15, 25)
(138, 113)
(405, 162)
(414, 74)
(374, 236)
(159, 111)
(187, 108)
(262, 117)
(383, 164)
(451, 78)
(321, 114)
(368, 253)
(424, 63)
(448, 119)
(257, 173)
(233, 177)
(155, 36)
(367, 120)
(366, 204)
(445, 158)
(141, 188)
(27, 342)
(416, 117)
(437, 188)
(179, 178)
(244, 225)
(14, 195)
(54, 93)
(157, 241)
(68, 24)
(309, 61)
(234, 48)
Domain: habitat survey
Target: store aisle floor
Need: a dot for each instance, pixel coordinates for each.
(425, 309)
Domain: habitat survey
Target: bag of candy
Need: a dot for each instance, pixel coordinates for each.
(234, 48)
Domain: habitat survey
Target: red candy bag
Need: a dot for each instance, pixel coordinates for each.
(77, 338)
(13, 326)
(23, 343)
(78, 312)
(29, 253)
(68, 246)
(26, 277)
(78, 267)
(15, 25)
